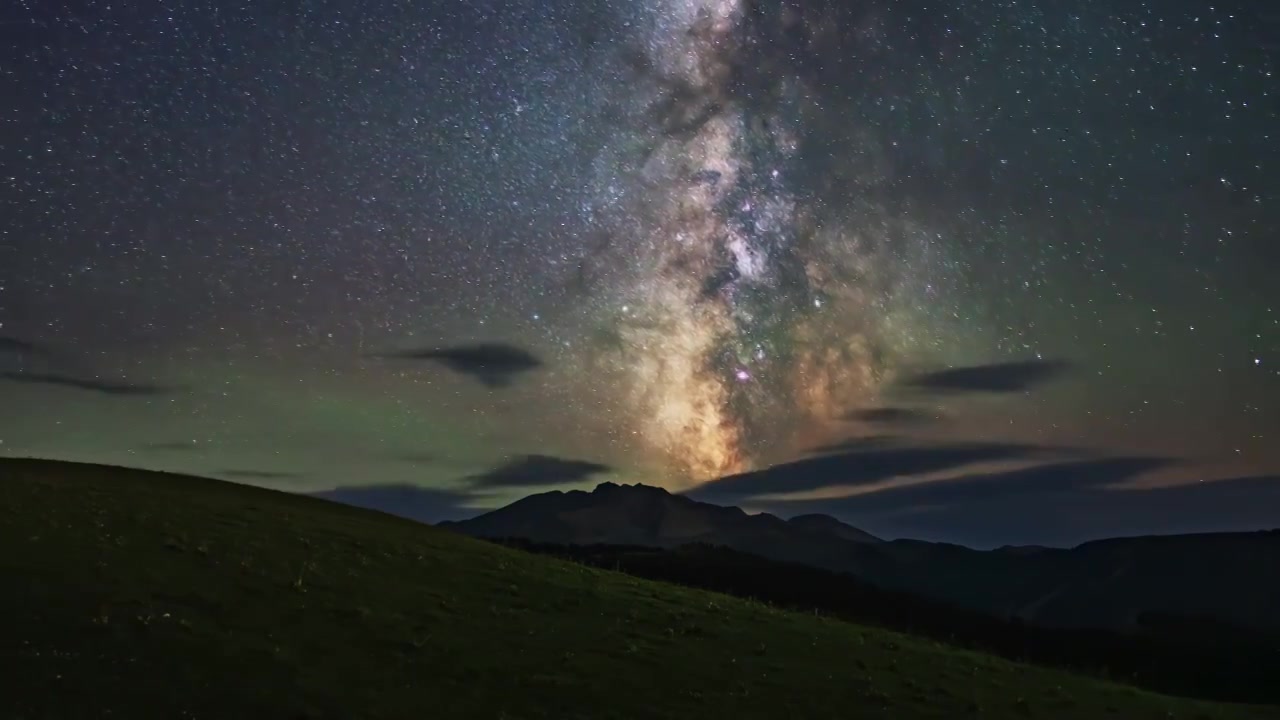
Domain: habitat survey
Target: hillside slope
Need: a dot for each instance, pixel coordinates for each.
(1218, 666)
(133, 594)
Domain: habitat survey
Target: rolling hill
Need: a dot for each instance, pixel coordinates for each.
(136, 594)
(1206, 665)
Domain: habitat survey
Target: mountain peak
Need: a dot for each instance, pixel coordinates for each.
(825, 524)
(608, 487)
(815, 519)
(640, 514)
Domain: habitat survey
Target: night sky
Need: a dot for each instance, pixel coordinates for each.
(728, 232)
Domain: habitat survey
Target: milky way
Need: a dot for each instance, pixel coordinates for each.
(721, 227)
(748, 316)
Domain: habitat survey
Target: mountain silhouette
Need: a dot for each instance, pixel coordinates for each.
(651, 516)
(1191, 579)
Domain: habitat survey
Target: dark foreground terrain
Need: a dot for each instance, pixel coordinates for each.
(1184, 659)
(131, 595)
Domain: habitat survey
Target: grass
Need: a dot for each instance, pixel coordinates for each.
(134, 595)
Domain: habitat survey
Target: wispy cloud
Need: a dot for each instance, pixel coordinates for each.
(492, 364)
(536, 470)
(1006, 377)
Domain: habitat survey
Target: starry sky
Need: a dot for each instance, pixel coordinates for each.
(730, 231)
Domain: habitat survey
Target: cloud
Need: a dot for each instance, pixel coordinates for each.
(98, 386)
(1057, 503)
(536, 470)
(258, 474)
(425, 505)
(996, 378)
(892, 416)
(1088, 511)
(1035, 480)
(857, 444)
(493, 364)
(863, 463)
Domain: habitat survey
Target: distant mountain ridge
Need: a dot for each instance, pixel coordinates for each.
(1187, 580)
(646, 515)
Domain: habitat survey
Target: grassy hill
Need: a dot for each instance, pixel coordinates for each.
(1188, 659)
(134, 594)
